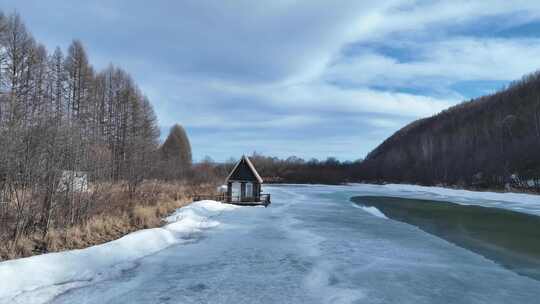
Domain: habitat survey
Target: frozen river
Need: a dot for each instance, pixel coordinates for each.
(312, 245)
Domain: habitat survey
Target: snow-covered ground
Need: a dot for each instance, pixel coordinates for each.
(38, 279)
(310, 246)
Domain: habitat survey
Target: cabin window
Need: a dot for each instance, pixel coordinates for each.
(249, 190)
(235, 191)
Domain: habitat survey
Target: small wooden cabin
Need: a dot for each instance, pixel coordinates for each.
(244, 187)
(244, 183)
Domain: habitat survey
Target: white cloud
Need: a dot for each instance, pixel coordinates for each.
(293, 64)
(415, 17)
(383, 123)
(323, 97)
(253, 120)
(442, 63)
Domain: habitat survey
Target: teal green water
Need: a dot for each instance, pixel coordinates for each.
(509, 238)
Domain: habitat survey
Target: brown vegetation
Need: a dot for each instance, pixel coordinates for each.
(115, 214)
(80, 161)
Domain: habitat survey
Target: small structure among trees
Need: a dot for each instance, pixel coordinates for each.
(73, 181)
(244, 185)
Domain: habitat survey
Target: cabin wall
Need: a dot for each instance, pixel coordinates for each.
(240, 190)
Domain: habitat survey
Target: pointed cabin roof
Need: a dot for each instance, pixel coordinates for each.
(244, 171)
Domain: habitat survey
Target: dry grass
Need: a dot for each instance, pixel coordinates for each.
(114, 215)
(103, 228)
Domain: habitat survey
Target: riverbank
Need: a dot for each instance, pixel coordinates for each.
(515, 201)
(497, 189)
(112, 214)
(507, 237)
(511, 190)
(38, 279)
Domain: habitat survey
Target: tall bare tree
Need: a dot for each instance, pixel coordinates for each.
(58, 120)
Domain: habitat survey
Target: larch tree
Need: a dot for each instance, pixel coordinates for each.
(176, 152)
(58, 117)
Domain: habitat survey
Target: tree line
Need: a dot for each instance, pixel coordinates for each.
(62, 122)
(489, 142)
(292, 170)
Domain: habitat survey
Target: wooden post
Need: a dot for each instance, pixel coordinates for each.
(257, 191)
(229, 192)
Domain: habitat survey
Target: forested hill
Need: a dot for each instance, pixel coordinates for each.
(482, 142)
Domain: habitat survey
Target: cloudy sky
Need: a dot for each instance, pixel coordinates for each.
(293, 77)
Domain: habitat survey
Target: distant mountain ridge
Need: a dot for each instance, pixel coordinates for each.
(489, 141)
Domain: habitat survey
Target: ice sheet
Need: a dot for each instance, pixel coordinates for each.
(309, 246)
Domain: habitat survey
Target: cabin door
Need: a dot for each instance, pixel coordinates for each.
(249, 191)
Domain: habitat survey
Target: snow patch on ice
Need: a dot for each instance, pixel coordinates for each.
(527, 203)
(319, 281)
(373, 211)
(39, 279)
